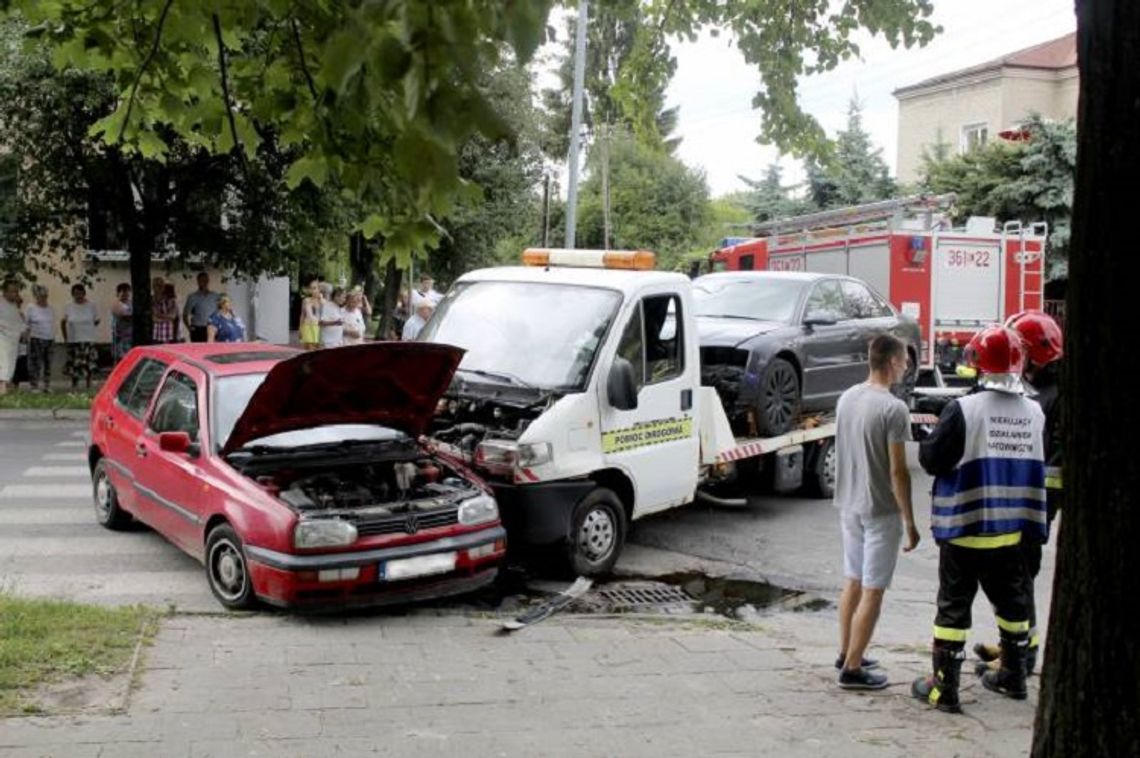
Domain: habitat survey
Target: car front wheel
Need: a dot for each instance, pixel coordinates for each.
(227, 569)
(779, 405)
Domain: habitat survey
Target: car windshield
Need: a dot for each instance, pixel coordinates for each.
(753, 298)
(525, 333)
(232, 394)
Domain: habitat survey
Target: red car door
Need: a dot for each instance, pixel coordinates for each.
(172, 480)
(122, 423)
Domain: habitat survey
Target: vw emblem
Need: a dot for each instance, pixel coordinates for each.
(411, 525)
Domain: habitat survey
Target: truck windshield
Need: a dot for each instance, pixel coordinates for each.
(754, 298)
(543, 335)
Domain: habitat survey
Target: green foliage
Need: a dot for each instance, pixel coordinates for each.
(656, 202)
(769, 199)
(853, 172)
(376, 98)
(1028, 181)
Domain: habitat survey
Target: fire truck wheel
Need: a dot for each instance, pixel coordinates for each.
(779, 405)
(597, 533)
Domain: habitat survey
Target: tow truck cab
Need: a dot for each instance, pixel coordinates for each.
(579, 397)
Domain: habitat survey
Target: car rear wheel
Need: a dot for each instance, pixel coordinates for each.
(821, 477)
(107, 510)
(597, 533)
(779, 404)
(227, 569)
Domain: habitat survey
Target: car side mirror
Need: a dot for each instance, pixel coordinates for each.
(177, 442)
(821, 318)
(621, 389)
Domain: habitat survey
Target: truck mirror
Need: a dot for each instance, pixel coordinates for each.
(621, 389)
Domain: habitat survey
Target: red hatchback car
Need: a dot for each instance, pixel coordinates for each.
(296, 478)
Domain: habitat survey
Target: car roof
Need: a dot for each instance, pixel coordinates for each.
(225, 358)
(618, 279)
(792, 276)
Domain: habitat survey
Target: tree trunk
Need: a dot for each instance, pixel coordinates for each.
(393, 276)
(142, 322)
(362, 261)
(1090, 696)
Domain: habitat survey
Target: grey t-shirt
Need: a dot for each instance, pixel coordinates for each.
(868, 419)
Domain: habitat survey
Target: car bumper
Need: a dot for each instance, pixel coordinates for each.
(539, 513)
(289, 580)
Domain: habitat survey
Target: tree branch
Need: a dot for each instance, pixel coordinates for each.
(143, 67)
(303, 62)
(226, 88)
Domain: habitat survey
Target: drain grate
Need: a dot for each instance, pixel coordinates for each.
(645, 596)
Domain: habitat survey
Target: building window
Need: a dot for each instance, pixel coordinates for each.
(973, 137)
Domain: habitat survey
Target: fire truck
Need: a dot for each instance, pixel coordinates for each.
(952, 281)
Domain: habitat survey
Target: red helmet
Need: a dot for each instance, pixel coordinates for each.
(996, 350)
(1041, 336)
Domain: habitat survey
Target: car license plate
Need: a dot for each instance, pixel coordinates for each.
(421, 565)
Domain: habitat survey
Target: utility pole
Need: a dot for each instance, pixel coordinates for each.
(576, 122)
(606, 185)
(546, 211)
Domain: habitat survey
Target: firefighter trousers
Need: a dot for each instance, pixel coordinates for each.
(1001, 573)
(1031, 555)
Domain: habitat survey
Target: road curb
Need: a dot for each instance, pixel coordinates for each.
(51, 414)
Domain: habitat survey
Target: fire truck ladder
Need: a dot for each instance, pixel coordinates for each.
(881, 211)
(1037, 229)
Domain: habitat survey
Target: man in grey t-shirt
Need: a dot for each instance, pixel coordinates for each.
(872, 492)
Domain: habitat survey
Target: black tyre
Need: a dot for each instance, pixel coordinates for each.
(597, 534)
(227, 570)
(905, 389)
(778, 407)
(107, 510)
(820, 481)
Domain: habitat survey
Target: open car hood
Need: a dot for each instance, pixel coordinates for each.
(392, 384)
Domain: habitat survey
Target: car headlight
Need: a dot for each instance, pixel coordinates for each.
(323, 533)
(502, 456)
(478, 510)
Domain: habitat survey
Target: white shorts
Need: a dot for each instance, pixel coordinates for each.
(870, 548)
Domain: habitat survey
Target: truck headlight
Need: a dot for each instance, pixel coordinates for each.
(502, 456)
(323, 533)
(478, 510)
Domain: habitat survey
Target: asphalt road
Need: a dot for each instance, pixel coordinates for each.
(50, 544)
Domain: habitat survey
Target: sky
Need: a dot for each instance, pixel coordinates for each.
(714, 86)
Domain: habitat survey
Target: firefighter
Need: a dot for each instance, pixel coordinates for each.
(1043, 342)
(987, 457)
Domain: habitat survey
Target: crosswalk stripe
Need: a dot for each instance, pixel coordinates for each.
(58, 516)
(71, 443)
(82, 434)
(45, 491)
(45, 472)
(73, 548)
(70, 457)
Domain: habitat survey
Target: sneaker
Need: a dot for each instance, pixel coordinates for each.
(861, 679)
(866, 663)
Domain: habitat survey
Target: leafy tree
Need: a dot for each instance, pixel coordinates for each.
(1029, 180)
(769, 198)
(656, 201)
(1090, 694)
(853, 171)
(628, 68)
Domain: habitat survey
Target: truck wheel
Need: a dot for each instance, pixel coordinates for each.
(597, 533)
(905, 389)
(821, 477)
(779, 403)
(107, 510)
(227, 570)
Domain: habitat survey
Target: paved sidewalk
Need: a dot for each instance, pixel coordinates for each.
(425, 685)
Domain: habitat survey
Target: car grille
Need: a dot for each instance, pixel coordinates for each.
(407, 523)
(724, 356)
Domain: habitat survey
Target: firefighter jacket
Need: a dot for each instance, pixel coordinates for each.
(987, 457)
(1046, 386)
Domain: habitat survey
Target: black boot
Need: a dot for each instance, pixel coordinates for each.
(941, 688)
(1030, 660)
(1009, 680)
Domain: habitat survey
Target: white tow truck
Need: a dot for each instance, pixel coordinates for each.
(579, 399)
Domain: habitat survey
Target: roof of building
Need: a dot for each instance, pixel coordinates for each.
(1054, 55)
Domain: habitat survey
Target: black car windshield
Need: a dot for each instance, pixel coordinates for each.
(754, 298)
(525, 333)
(232, 394)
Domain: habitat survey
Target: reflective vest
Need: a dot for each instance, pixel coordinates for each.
(997, 492)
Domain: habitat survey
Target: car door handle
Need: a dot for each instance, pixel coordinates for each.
(686, 400)
(140, 450)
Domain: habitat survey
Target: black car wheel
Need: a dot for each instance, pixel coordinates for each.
(107, 510)
(597, 533)
(779, 405)
(227, 570)
(821, 477)
(904, 389)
